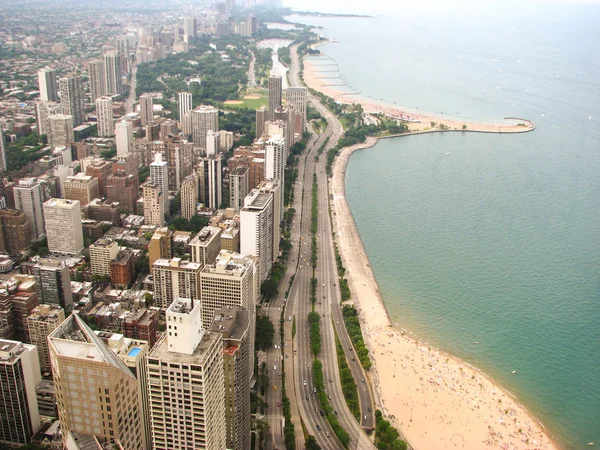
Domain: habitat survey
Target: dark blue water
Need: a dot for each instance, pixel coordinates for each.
(500, 238)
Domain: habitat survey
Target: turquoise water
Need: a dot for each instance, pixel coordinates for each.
(501, 237)
(134, 352)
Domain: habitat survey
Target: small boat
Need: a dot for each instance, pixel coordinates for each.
(439, 318)
(449, 153)
(590, 117)
(514, 371)
(591, 444)
(476, 342)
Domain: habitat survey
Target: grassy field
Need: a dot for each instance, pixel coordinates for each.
(250, 102)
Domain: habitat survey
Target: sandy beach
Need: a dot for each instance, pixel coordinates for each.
(438, 401)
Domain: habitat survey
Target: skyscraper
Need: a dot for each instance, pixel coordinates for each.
(175, 278)
(184, 101)
(261, 118)
(102, 252)
(123, 50)
(123, 188)
(210, 181)
(28, 198)
(206, 245)
(2, 152)
(47, 84)
(193, 415)
(42, 321)
(63, 226)
(298, 96)
(212, 143)
(154, 205)
(275, 91)
(19, 375)
(238, 187)
(61, 130)
(146, 109)
(104, 114)
(256, 230)
(16, 230)
(189, 26)
(96, 392)
(204, 119)
(124, 137)
(53, 283)
(189, 196)
(81, 187)
(71, 98)
(159, 175)
(97, 73)
(44, 110)
(159, 246)
(113, 73)
(274, 188)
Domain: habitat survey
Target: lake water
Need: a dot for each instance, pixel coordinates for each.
(501, 237)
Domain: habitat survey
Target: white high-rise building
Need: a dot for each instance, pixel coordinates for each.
(298, 96)
(175, 278)
(159, 175)
(20, 374)
(189, 196)
(206, 245)
(184, 101)
(124, 137)
(192, 415)
(47, 84)
(275, 158)
(274, 188)
(113, 73)
(61, 130)
(44, 110)
(146, 109)
(28, 198)
(274, 102)
(102, 252)
(104, 113)
(97, 73)
(256, 230)
(3, 165)
(204, 119)
(71, 98)
(189, 26)
(63, 226)
(154, 206)
(212, 143)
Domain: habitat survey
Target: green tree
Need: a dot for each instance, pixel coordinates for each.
(312, 444)
(268, 288)
(264, 333)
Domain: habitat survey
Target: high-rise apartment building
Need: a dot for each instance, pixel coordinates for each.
(154, 209)
(160, 246)
(97, 73)
(29, 199)
(189, 196)
(159, 175)
(275, 158)
(124, 137)
(82, 188)
(175, 278)
(256, 230)
(71, 98)
(104, 114)
(19, 375)
(113, 73)
(53, 283)
(42, 321)
(206, 245)
(189, 27)
(123, 49)
(261, 118)
(233, 324)
(123, 188)
(204, 119)
(274, 101)
(100, 170)
(184, 101)
(63, 226)
(102, 252)
(96, 392)
(146, 109)
(298, 96)
(47, 84)
(43, 111)
(16, 231)
(192, 414)
(60, 132)
(230, 281)
(212, 143)
(274, 188)
(238, 187)
(210, 181)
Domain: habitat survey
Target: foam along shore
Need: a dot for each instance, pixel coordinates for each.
(438, 401)
(314, 80)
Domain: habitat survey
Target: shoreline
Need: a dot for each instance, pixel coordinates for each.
(437, 401)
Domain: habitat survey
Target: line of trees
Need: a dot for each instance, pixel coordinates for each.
(349, 388)
(386, 436)
(353, 326)
(314, 332)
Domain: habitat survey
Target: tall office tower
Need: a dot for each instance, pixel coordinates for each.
(16, 230)
(159, 175)
(83, 188)
(189, 196)
(42, 321)
(256, 230)
(252, 24)
(186, 124)
(71, 98)
(193, 415)
(233, 324)
(146, 109)
(53, 283)
(104, 114)
(184, 101)
(61, 130)
(230, 281)
(19, 375)
(2, 152)
(102, 252)
(47, 84)
(63, 226)
(274, 188)
(123, 188)
(206, 245)
(124, 137)
(160, 246)
(204, 119)
(225, 140)
(212, 143)
(261, 118)
(274, 102)
(238, 187)
(210, 181)
(175, 278)
(298, 96)
(180, 158)
(28, 198)
(189, 26)
(97, 73)
(96, 392)
(43, 111)
(113, 73)
(133, 354)
(123, 49)
(154, 205)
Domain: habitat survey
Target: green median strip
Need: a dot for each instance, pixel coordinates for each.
(349, 388)
(353, 327)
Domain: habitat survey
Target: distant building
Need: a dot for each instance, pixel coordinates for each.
(44, 110)
(175, 278)
(60, 131)
(97, 79)
(154, 210)
(189, 196)
(124, 137)
(53, 283)
(104, 114)
(256, 230)
(113, 73)
(82, 188)
(63, 226)
(210, 181)
(298, 96)
(204, 119)
(16, 231)
(274, 188)
(41, 322)
(29, 199)
(275, 93)
(261, 118)
(160, 245)
(146, 109)
(184, 101)
(206, 245)
(100, 170)
(47, 84)
(124, 189)
(159, 175)
(239, 187)
(122, 269)
(142, 324)
(71, 98)
(102, 252)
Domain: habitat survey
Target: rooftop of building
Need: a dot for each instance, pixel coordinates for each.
(161, 350)
(176, 263)
(61, 203)
(205, 236)
(45, 313)
(238, 171)
(104, 243)
(232, 322)
(256, 200)
(229, 263)
(10, 351)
